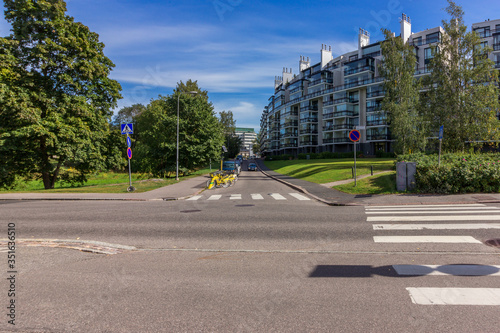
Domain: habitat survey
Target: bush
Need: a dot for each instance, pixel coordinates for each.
(458, 173)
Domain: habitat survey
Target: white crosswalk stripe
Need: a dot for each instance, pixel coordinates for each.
(253, 196)
(445, 216)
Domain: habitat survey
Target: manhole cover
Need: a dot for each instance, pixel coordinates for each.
(493, 242)
(191, 211)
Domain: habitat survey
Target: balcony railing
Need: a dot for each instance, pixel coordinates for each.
(345, 114)
(376, 122)
(374, 108)
(309, 131)
(343, 126)
(328, 115)
(345, 100)
(341, 140)
(327, 103)
(289, 145)
(375, 93)
(328, 128)
(289, 135)
(318, 81)
(294, 90)
(291, 124)
(358, 70)
(309, 108)
(329, 140)
(308, 143)
(375, 137)
(308, 120)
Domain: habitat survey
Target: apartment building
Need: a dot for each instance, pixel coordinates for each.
(248, 137)
(314, 111)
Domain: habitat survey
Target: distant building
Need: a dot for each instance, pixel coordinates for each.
(248, 137)
(314, 111)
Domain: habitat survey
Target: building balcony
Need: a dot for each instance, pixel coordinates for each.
(320, 81)
(378, 137)
(362, 69)
(289, 135)
(294, 90)
(342, 140)
(376, 108)
(380, 122)
(328, 115)
(309, 108)
(294, 123)
(377, 93)
(308, 120)
(343, 127)
(289, 145)
(496, 47)
(329, 140)
(308, 143)
(308, 131)
(328, 103)
(345, 100)
(342, 114)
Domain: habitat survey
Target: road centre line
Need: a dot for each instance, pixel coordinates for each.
(455, 296)
(464, 226)
(433, 218)
(438, 212)
(425, 239)
(455, 270)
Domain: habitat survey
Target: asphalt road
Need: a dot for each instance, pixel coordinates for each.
(242, 259)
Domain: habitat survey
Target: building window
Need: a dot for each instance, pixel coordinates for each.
(432, 38)
(417, 41)
(353, 57)
(483, 32)
(428, 54)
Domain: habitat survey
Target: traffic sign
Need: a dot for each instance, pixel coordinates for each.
(129, 153)
(354, 135)
(129, 142)
(441, 130)
(127, 128)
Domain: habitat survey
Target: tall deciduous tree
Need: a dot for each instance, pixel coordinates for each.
(200, 136)
(401, 94)
(56, 94)
(463, 96)
(231, 140)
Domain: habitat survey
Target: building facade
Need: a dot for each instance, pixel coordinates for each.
(248, 137)
(314, 110)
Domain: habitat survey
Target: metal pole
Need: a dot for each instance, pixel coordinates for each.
(177, 155)
(355, 164)
(129, 174)
(439, 156)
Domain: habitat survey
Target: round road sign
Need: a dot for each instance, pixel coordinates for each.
(354, 135)
(129, 153)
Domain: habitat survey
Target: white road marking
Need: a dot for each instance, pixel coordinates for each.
(215, 197)
(425, 239)
(235, 197)
(256, 196)
(455, 296)
(426, 208)
(277, 196)
(433, 218)
(438, 212)
(465, 226)
(299, 196)
(421, 206)
(196, 197)
(457, 270)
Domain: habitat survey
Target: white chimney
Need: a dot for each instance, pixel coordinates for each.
(405, 28)
(326, 55)
(363, 40)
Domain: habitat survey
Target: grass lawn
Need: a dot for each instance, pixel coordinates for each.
(104, 182)
(384, 183)
(329, 170)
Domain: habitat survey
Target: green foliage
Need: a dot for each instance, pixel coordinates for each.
(401, 94)
(200, 135)
(463, 96)
(458, 172)
(56, 95)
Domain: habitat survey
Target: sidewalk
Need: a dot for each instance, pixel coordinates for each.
(333, 197)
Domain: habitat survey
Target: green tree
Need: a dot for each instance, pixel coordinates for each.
(463, 96)
(200, 136)
(401, 94)
(231, 140)
(127, 114)
(56, 95)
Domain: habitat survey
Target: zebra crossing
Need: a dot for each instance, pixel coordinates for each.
(430, 218)
(252, 196)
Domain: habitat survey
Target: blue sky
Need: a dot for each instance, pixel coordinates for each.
(235, 48)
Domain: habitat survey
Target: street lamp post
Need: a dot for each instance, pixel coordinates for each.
(177, 154)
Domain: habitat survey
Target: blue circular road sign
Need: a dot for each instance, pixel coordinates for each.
(354, 135)
(129, 142)
(129, 153)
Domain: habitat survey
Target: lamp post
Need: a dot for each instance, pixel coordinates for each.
(177, 155)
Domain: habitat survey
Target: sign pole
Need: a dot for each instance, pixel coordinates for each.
(441, 130)
(354, 164)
